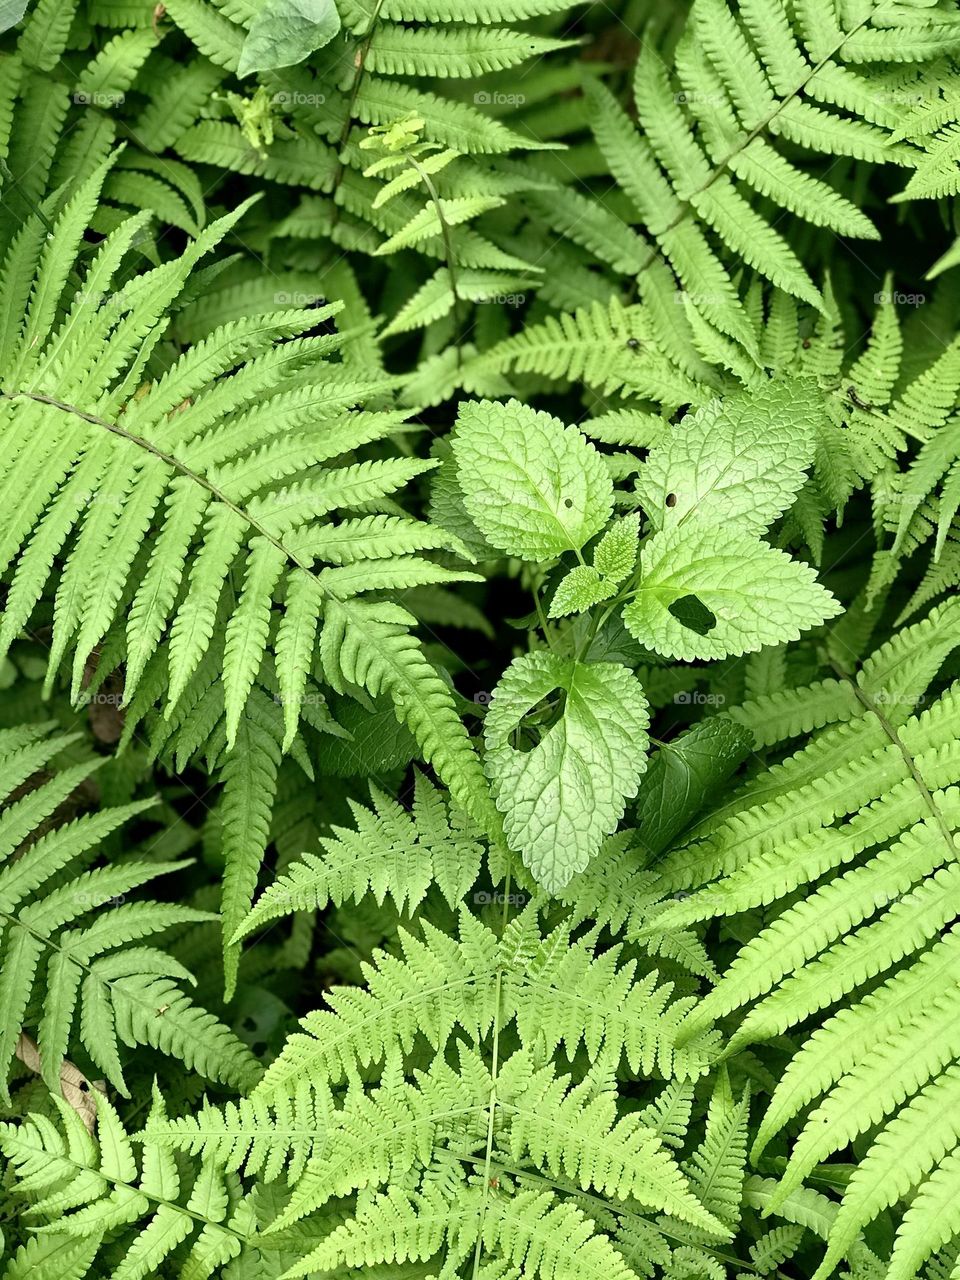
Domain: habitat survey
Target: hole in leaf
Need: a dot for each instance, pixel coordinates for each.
(671, 499)
(692, 613)
(568, 503)
(84, 1087)
(529, 732)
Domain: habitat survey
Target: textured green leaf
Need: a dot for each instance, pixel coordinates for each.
(562, 797)
(285, 32)
(616, 552)
(757, 594)
(533, 487)
(741, 459)
(579, 590)
(11, 12)
(377, 741)
(685, 776)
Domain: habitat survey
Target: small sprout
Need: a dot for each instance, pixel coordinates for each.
(400, 135)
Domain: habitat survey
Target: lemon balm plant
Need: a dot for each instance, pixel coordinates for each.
(479, 539)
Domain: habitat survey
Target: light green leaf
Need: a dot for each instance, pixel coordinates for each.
(579, 590)
(533, 487)
(743, 458)
(560, 799)
(756, 594)
(11, 12)
(285, 32)
(616, 552)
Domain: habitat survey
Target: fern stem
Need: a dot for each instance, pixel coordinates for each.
(136, 1189)
(360, 68)
(544, 620)
(891, 731)
(494, 1068)
(446, 233)
(169, 458)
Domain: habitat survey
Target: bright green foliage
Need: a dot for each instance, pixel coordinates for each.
(188, 456)
(82, 1188)
(562, 797)
(742, 459)
(72, 942)
(285, 32)
(533, 487)
(479, 536)
(714, 139)
(526, 985)
(756, 594)
(391, 852)
(220, 473)
(879, 779)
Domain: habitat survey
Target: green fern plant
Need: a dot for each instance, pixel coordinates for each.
(848, 848)
(478, 535)
(200, 489)
(74, 963)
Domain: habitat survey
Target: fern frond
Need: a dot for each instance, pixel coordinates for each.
(391, 852)
(81, 1189)
(875, 852)
(74, 927)
(206, 468)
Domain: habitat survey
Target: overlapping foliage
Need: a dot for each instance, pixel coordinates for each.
(479, 537)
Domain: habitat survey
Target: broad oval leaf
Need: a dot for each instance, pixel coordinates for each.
(560, 799)
(533, 487)
(757, 594)
(285, 32)
(743, 458)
